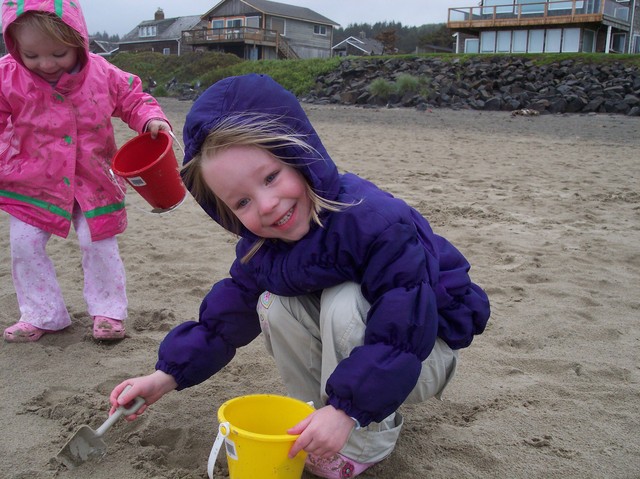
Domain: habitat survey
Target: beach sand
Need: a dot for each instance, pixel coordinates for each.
(546, 209)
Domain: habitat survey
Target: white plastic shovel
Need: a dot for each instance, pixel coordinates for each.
(87, 444)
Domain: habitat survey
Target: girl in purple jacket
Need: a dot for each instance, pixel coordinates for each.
(361, 305)
(56, 144)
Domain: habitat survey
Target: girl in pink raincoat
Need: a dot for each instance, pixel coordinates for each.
(56, 144)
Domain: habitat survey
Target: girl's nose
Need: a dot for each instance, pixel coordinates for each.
(47, 65)
(267, 203)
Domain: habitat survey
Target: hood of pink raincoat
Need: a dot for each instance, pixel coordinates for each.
(67, 10)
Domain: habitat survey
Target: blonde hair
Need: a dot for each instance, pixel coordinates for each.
(51, 26)
(261, 131)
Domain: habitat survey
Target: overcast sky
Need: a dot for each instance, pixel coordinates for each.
(118, 17)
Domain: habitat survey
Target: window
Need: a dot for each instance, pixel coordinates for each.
(536, 41)
(588, 41)
(217, 24)
(636, 44)
(253, 22)
(618, 42)
(527, 8)
(276, 24)
(320, 30)
(571, 40)
(166, 51)
(502, 6)
(147, 31)
(504, 41)
(472, 45)
(487, 42)
(519, 41)
(234, 23)
(552, 42)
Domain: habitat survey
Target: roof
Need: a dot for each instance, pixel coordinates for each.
(102, 46)
(367, 45)
(283, 10)
(167, 28)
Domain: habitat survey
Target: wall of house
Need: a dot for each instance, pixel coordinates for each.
(572, 39)
(230, 8)
(305, 42)
(159, 47)
(635, 30)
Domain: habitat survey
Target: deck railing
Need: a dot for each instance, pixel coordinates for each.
(248, 35)
(541, 9)
(225, 35)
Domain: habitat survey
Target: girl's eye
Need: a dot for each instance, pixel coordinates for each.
(60, 55)
(270, 178)
(243, 202)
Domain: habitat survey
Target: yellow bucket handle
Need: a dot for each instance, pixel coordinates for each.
(223, 432)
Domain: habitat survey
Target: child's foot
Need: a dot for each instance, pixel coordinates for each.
(337, 467)
(107, 328)
(22, 332)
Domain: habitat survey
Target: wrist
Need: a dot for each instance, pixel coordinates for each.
(166, 381)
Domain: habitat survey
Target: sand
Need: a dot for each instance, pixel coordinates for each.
(545, 208)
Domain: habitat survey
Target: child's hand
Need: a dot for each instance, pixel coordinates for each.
(156, 125)
(151, 388)
(323, 433)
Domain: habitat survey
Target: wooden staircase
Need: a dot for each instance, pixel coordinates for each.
(285, 52)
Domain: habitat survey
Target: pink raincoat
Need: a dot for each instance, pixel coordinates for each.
(56, 143)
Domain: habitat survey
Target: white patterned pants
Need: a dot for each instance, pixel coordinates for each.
(34, 277)
(309, 335)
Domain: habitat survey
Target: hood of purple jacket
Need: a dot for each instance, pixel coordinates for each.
(260, 94)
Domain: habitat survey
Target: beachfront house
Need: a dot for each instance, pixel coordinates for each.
(261, 29)
(551, 26)
(358, 46)
(161, 34)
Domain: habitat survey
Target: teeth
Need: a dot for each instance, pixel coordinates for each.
(285, 218)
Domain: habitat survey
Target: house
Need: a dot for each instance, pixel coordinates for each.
(102, 48)
(359, 46)
(536, 26)
(161, 34)
(261, 29)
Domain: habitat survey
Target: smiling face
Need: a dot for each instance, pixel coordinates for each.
(268, 196)
(45, 56)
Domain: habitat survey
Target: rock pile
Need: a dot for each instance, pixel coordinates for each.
(485, 83)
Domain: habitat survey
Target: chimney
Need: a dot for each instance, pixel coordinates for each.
(363, 35)
(159, 14)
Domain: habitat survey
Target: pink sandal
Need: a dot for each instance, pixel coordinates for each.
(107, 328)
(22, 332)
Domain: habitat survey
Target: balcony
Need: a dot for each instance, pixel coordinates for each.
(528, 13)
(207, 37)
(225, 35)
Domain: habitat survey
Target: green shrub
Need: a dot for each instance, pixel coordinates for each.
(160, 91)
(406, 83)
(381, 88)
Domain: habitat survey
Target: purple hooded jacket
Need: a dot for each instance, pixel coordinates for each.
(416, 281)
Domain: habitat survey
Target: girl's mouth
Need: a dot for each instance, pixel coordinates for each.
(285, 218)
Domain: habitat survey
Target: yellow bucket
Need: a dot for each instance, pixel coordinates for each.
(254, 431)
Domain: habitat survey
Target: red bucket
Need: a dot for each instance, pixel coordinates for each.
(151, 168)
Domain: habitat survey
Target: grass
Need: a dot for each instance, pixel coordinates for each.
(299, 76)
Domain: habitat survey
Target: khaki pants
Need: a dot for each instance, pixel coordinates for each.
(309, 335)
